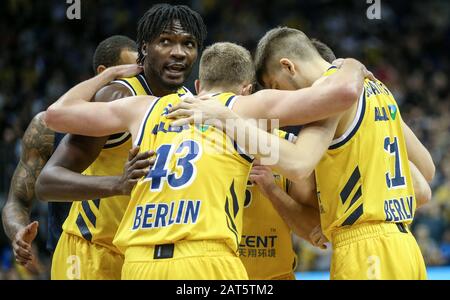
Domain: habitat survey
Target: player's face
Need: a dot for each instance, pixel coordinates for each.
(279, 80)
(170, 56)
(128, 57)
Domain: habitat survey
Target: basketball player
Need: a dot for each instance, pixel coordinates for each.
(183, 199)
(364, 183)
(38, 144)
(266, 247)
(169, 38)
(367, 159)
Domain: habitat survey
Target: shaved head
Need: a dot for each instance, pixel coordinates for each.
(282, 42)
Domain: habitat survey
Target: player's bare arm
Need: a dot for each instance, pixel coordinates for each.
(37, 146)
(61, 179)
(418, 154)
(332, 95)
(75, 114)
(99, 119)
(422, 189)
(300, 218)
(296, 162)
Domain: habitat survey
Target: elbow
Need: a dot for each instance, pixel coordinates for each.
(51, 118)
(424, 196)
(40, 188)
(348, 94)
(300, 173)
(429, 176)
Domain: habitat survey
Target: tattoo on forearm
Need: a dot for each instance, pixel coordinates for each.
(37, 147)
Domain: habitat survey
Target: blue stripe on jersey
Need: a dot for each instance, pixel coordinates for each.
(143, 82)
(229, 100)
(355, 198)
(358, 124)
(141, 133)
(84, 230)
(97, 203)
(354, 216)
(245, 156)
(89, 213)
(230, 218)
(350, 185)
(332, 67)
(235, 200)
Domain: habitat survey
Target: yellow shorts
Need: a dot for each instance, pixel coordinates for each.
(76, 258)
(376, 251)
(198, 260)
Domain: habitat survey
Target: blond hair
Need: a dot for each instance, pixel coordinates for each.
(226, 65)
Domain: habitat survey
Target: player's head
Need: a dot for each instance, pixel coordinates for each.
(324, 51)
(113, 51)
(226, 67)
(169, 39)
(285, 59)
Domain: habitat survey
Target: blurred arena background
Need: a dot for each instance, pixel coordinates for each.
(43, 54)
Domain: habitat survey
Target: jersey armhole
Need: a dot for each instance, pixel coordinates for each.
(125, 83)
(140, 134)
(353, 128)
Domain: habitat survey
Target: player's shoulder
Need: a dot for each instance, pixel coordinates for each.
(111, 92)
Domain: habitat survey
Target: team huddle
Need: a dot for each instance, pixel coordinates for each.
(152, 182)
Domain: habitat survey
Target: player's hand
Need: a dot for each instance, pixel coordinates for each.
(34, 266)
(262, 176)
(22, 243)
(340, 61)
(201, 110)
(137, 166)
(123, 71)
(317, 238)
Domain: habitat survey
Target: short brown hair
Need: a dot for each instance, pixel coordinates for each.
(226, 65)
(282, 42)
(324, 50)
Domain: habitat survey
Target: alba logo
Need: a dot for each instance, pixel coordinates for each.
(393, 111)
(203, 128)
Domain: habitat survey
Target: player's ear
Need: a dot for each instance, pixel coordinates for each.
(197, 86)
(144, 49)
(247, 89)
(288, 65)
(100, 69)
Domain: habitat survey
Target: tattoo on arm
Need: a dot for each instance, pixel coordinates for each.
(37, 147)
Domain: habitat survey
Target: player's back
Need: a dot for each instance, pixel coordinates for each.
(194, 191)
(365, 175)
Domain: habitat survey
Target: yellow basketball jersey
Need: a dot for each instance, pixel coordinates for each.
(266, 245)
(194, 191)
(97, 220)
(364, 176)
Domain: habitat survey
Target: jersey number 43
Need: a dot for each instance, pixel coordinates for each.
(187, 153)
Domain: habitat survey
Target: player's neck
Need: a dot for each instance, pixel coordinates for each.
(156, 86)
(314, 70)
(214, 90)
